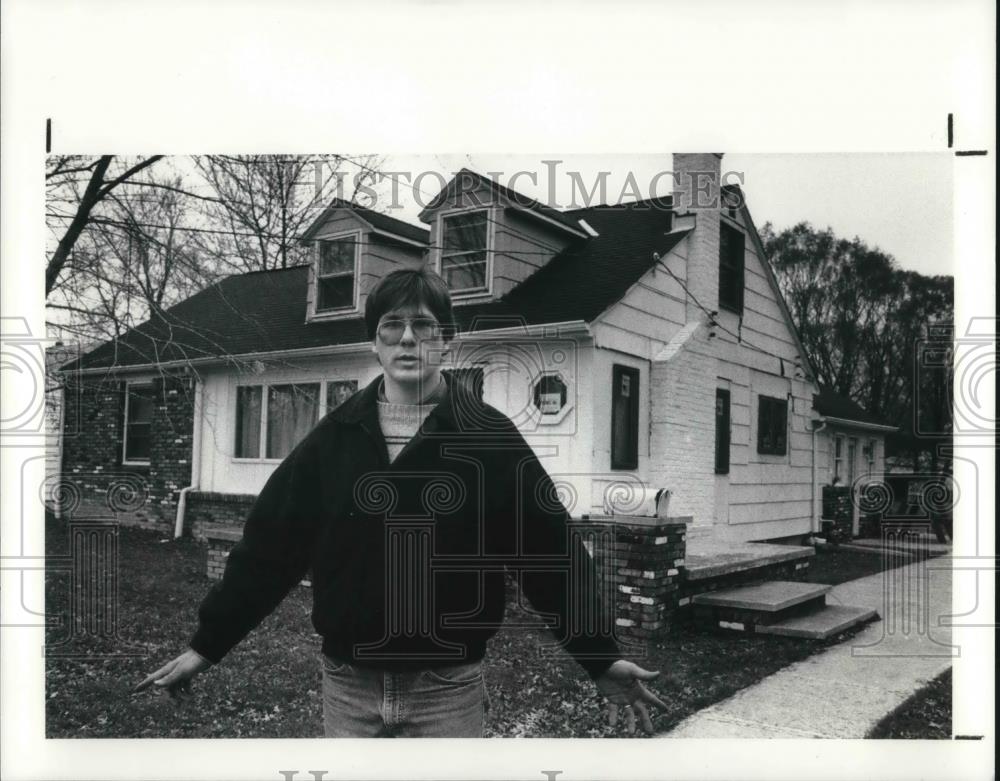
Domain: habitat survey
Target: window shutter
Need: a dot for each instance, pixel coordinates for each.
(624, 417)
(722, 431)
(731, 268)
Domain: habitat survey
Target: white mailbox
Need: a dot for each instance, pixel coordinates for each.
(652, 503)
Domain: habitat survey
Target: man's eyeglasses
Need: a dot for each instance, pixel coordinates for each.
(391, 331)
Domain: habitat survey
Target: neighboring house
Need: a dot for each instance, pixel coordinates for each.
(856, 452)
(632, 344)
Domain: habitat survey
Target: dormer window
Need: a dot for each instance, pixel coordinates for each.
(465, 251)
(337, 273)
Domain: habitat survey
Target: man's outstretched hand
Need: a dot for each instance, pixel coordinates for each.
(622, 686)
(176, 675)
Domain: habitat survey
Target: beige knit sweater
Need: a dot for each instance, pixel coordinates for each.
(399, 422)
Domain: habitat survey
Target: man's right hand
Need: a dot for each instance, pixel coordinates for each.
(176, 675)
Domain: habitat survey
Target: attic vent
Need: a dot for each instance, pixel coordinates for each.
(587, 229)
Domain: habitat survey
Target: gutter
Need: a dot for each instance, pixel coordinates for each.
(814, 522)
(302, 352)
(195, 457)
(567, 328)
(859, 424)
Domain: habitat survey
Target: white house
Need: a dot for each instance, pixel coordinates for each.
(642, 344)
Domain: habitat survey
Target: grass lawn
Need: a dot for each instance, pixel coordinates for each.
(925, 715)
(833, 564)
(269, 685)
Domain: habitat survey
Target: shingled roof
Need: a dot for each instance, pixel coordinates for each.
(831, 404)
(590, 274)
(263, 312)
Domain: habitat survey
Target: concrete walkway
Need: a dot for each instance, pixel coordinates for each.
(844, 691)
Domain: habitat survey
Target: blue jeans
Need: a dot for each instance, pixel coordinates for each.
(442, 702)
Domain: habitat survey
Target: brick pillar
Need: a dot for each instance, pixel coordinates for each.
(639, 564)
(221, 540)
(837, 508)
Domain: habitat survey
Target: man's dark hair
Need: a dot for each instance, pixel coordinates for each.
(410, 287)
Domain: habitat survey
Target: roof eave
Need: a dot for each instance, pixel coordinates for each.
(565, 328)
(858, 423)
(498, 190)
(299, 352)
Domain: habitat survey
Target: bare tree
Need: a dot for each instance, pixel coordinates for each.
(131, 261)
(264, 203)
(76, 186)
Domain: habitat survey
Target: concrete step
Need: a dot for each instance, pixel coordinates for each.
(821, 624)
(771, 597)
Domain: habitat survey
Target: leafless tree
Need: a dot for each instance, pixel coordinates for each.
(134, 258)
(264, 203)
(76, 186)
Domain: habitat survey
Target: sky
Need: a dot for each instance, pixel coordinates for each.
(900, 203)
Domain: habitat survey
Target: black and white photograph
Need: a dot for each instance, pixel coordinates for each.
(429, 435)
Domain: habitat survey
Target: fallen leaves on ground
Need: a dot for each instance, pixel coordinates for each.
(268, 686)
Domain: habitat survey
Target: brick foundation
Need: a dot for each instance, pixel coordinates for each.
(206, 510)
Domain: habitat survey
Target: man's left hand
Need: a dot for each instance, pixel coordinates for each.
(622, 685)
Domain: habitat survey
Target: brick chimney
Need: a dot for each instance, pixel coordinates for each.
(697, 178)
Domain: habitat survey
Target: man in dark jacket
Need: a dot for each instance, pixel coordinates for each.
(407, 504)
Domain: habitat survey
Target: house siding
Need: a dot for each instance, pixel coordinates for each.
(520, 244)
(762, 496)
(510, 369)
(682, 433)
(220, 471)
(382, 256)
(605, 479)
(521, 247)
(650, 312)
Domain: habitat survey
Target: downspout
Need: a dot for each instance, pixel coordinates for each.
(195, 458)
(812, 496)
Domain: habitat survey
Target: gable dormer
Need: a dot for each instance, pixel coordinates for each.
(351, 248)
(486, 239)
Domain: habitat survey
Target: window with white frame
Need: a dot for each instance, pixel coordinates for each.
(852, 458)
(292, 411)
(465, 251)
(272, 419)
(339, 391)
(137, 439)
(336, 273)
(248, 421)
(838, 459)
(870, 456)
(772, 425)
